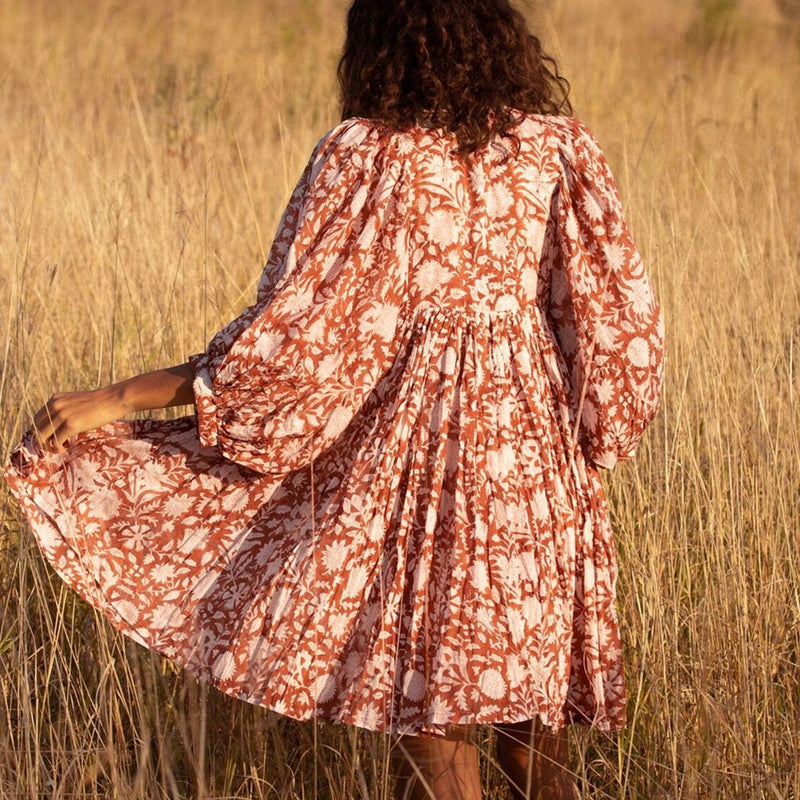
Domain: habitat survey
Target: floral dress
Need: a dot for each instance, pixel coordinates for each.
(386, 510)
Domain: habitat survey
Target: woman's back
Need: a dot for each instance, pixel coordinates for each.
(386, 510)
(391, 516)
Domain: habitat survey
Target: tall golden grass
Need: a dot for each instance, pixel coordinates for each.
(146, 150)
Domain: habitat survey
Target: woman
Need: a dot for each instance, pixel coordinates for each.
(387, 510)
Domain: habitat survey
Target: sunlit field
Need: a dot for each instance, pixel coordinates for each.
(146, 151)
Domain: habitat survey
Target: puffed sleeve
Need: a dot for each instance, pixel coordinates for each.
(277, 385)
(601, 306)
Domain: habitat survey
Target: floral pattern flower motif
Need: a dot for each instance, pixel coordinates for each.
(387, 510)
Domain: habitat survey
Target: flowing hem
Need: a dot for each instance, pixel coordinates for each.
(50, 525)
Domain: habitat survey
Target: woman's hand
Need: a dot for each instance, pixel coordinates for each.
(68, 413)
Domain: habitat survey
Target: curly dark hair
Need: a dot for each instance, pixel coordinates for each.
(467, 66)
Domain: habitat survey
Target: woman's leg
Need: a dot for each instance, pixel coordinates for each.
(436, 767)
(535, 761)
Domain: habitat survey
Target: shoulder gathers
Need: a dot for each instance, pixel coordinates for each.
(355, 133)
(358, 131)
(568, 135)
(548, 136)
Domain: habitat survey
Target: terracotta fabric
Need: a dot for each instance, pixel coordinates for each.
(387, 510)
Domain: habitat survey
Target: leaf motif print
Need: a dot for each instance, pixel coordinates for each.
(601, 306)
(377, 515)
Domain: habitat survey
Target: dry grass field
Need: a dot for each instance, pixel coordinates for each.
(146, 150)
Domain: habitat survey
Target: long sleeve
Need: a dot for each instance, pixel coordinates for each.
(601, 306)
(277, 385)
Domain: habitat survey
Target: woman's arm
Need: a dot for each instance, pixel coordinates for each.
(68, 413)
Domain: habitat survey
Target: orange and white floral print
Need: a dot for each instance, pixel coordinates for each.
(387, 509)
